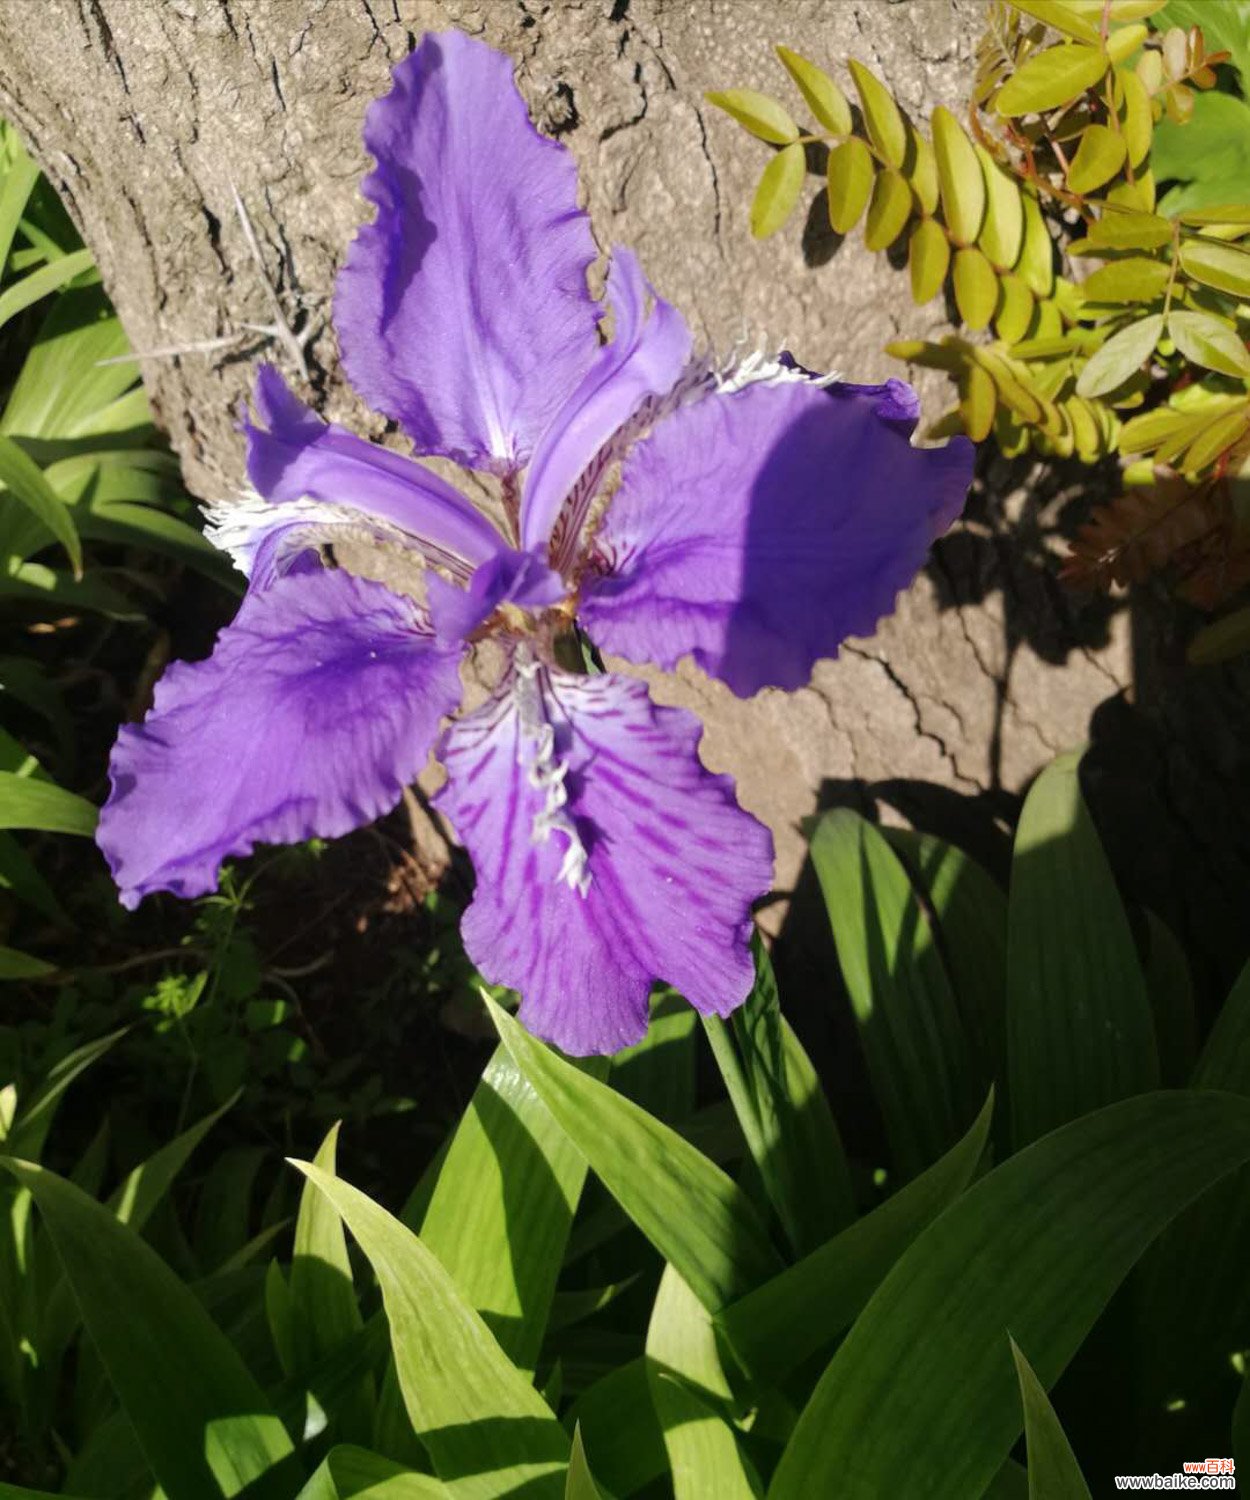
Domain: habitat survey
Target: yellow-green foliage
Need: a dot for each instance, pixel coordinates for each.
(1036, 215)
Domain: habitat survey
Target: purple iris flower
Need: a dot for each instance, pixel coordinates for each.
(750, 517)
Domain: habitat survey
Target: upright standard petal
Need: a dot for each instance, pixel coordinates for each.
(758, 529)
(296, 458)
(607, 858)
(317, 707)
(649, 352)
(462, 310)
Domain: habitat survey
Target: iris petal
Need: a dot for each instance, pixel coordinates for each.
(462, 310)
(756, 530)
(318, 705)
(607, 858)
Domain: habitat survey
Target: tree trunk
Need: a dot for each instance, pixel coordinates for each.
(150, 117)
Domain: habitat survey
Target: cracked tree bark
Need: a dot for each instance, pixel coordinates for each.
(149, 118)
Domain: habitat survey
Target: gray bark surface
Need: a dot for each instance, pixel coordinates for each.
(148, 115)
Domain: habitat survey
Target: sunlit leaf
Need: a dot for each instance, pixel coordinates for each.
(1134, 279)
(1002, 234)
(1130, 231)
(1209, 342)
(1138, 119)
(24, 481)
(921, 171)
(1015, 308)
(822, 96)
(481, 1421)
(779, 187)
(1222, 266)
(759, 114)
(1098, 158)
(928, 260)
(978, 402)
(960, 177)
(1036, 267)
(881, 115)
(685, 1205)
(850, 174)
(203, 1422)
(976, 287)
(1122, 355)
(1050, 78)
(889, 210)
(26, 802)
(1081, 1004)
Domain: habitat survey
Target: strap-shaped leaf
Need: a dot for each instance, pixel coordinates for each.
(501, 1209)
(685, 1205)
(1079, 1028)
(479, 1418)
(202, 1421)
(346, 1472)
(804, 1310)
(850, 176)
(959, 176)
(908, 1022)
(783, 1113)
(24, 480)
(886, 129)
(1054, 1473)
(41, 283)
(922, 1397)
(778, 191)
(759, 114)
(822, 96)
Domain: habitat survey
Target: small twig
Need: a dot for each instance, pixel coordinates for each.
(280, 329)
(61, 976)
(170, 351)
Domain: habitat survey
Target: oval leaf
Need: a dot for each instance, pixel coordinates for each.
(978, 403)
(1015, 309)
(778, 192)
(976, 287)
(1051, 78)
(1002, 234)
(1138, 123)
(1221, 266)
(759, 114)
(1120, 357)
(928, 260)
(1209, 342)
(851, 174)
(1037, 254)
(1135, 279)
(822, 96)
(1098, 158)
(889, 210)
(960, 177)
(1129, 231)
(886, 129)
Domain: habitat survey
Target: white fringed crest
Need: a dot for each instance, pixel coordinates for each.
(546, 773)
